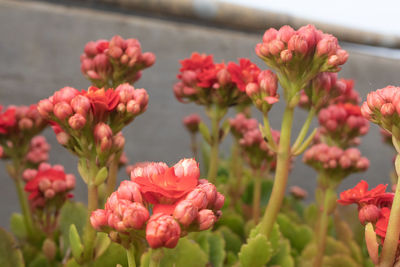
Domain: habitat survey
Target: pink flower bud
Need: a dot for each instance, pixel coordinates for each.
(65, 95)
(198, 197)
(25, 124)
(387, 109)
(133, 107)
(148, 59)
(115, 52)
(102, 131)
(192, 122)
(298, 192)
(90, 49)
(77, 121)
(270, 35)
(59, 186)
(44, 184)
(135, 216)
(80, 104)
(327, 46)
(70, 181)
(62, 138)
(219, 201)
(286, 55)
(49, 193)
(29, 174)
(275, 47)
(62, 110)
(45, 107)
(98, 219)
(130, 191)
(285, 33)
(252, 88)
(102, 64)
(224, 77)
(369, 213)
(117, 41)
(206, 219)
(211, 192)
(118, 141)
(185, 212)
(187, 167)
(298, 44)
(162, 231)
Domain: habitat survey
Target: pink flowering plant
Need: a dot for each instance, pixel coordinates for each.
(228, 211)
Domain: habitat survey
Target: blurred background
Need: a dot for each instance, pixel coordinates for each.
(42, 40)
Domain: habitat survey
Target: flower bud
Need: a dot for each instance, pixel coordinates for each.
(369, 213)
(275, 47)
(62, 110)
(119, 141)
(192, 122)
(187, 167)
(49, 193)
(387, 109)
(29, 174)
(285, 33)
(198, 197)
(270, 35)
(286, 55)
(130, 191)
(70, 181)
(62, 138)
(298, 44)
(298, 192)
(185, 212)
(80, 104)
(77, 121)
(162, 231)
(135, 216)
(49, 249)
(59, 186)
(148, 59)
(65, 94)
(211, 192)
(98, 219)
(44, 184)
(206, 219)
(45, 107)
(219, 201)
(102, 131)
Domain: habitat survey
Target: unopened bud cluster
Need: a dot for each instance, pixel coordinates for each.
(335, 160)
(263, 92)
(110, 63)
(300, 54)
(48, 186)
(38, 150)
(179, 201)
(93, 116)
(191, 123)
(204, 82)
(342, 123)
(383, 108)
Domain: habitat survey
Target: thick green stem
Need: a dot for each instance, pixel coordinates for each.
(112, 174)
(393, 230)
(256, 195)
(156, 257)
(130, 253)
(214, 153)
(281, 173)
(26, 211)
(321, 231)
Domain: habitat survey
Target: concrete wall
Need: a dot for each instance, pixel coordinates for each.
(39, 53)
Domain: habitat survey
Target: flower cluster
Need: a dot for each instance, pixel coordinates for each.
(373, 205)
(255, 149)
(110, 63)
(93, 116)
(342, 123)
(38, 150)
(191, 123)
(383, 108)
(263, 91)
(303, 53)
(204, 82)
(180, 203)
(335, 160)
(48, 185)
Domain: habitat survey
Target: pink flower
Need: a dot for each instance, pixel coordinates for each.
(162, 231)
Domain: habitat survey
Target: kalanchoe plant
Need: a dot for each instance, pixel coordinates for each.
(159, 205)
(111, 63)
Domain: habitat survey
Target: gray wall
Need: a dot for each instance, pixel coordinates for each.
(39, 53)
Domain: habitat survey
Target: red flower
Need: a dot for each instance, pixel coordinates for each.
(244, 73)
(208, 77)
(7, 119)
(360, 194)
(197, 62)
(101, 100)
(164, 187)
(382, 223)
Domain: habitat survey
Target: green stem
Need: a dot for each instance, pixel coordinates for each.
(256, 195)
(214, 153)
(26, 211)
(268, 133)
(393, 230)
(304, 129)
(237, 173)
(130, 253)
(112, 174)
(156, 257)
(281, 174)
(193, 145)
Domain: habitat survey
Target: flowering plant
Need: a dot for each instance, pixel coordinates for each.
(232, 213)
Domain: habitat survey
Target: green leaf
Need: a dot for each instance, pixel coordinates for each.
(217, 249)
(225, 129)
(10, 254)
(115, 254)
(298, 235)
(256, 253)
(39, 261)
(283, 256)
(232, 240)
(339, 260)
(275, 238)
(205, 132)
(83, 169)
(75, 242)
(231, 259)
(334, 246)
(72, 263)
(17, 226)
(101, 176)
(186, 253)
(311, 215)
(233, 221)
(102, 243)
(266, 188)
(72, 213)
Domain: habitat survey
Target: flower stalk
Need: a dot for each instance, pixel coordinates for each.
(257, 195)
(130, 253)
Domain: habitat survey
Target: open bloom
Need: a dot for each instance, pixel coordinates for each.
(360, 194)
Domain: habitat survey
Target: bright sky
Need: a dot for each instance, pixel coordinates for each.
(375, 16)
